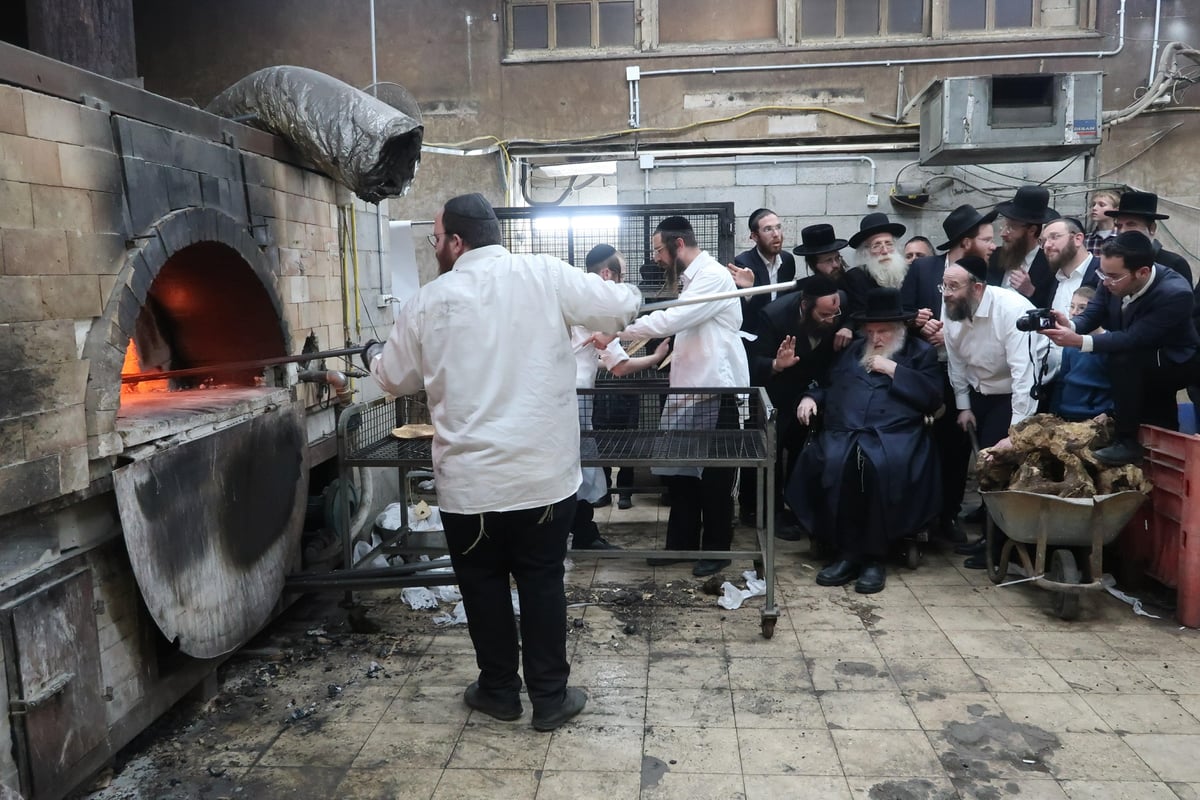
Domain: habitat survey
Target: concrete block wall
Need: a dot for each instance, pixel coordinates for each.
(82, 197)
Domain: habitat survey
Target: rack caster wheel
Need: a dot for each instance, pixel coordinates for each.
(912, 555)
(768, 627)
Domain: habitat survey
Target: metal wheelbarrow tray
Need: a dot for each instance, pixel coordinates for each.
(1055, 525)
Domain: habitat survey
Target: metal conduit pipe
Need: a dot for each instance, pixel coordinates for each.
(634, 74)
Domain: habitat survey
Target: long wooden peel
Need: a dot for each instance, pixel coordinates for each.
(708, 298)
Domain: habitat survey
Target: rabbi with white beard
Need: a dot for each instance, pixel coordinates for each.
(870, 475)
(878, 260)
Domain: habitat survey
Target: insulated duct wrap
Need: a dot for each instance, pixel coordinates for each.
(363, 143)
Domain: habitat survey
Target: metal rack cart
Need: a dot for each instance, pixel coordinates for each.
(695, 427)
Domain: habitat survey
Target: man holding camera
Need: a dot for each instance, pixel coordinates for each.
(1151, 343)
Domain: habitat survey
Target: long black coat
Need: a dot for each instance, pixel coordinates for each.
(886, 418)
(753, 305)
(782, 318)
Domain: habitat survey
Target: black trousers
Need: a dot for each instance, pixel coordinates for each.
(704, 503)
(858, 533)
(616, 412)
(1143, 390)
(993, 417)
(529, 545)
(583, 526)
(954, 452)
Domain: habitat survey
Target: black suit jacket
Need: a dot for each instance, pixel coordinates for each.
(781, 318)
(1039, 272)
(752, 306)
(1172, 260)
(1161, 319)
(920, 287)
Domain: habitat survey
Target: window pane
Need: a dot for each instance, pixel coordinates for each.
(862, 18)
(683, 21)
(616, 24)
(573, 24)
(968, 15)
(818, 19)
(1014, 14)
(530, 28)
(904, 16)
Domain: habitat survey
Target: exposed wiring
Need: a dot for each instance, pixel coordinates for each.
(1158, 136)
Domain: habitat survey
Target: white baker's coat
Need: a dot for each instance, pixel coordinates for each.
(489, 341)
(587, 361)
(708, 349)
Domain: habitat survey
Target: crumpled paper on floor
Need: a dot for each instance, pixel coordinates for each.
(1110, 585)
(422, 517)
(361, 548)
(459, 615)
(418, 597)
(732, 597)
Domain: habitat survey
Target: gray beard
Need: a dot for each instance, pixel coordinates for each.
(886, 352)
(890, 273)
(960, 312)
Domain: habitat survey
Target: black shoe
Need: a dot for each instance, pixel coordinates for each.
(478, 700)
(789, 533)
(950, 531)
(839, 573)
(977, 516)
(572, 704)
(625, 502)
(666, 562)
(970, 548)
(599, 543)
(872, 579)
(1120, 453)
(749, 518)
(664, 499)
(603, 501)
(710, 566)
(977, 561)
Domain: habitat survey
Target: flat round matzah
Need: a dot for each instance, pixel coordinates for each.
(413, 432)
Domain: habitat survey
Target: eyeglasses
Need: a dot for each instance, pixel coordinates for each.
(827, 317)
(1109, 280)
(1013, 226)
(433, 237)
(828, 260)
(950, 288)
(770, 228)
(1054, 237)
(659, 249)
(883, 246)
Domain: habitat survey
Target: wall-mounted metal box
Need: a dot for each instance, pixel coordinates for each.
(1010, 118)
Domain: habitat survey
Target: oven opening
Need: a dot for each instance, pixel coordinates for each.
(205, 313)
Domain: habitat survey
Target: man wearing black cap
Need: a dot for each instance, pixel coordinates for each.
(793, 350)
(1019, 262)
(879, 262)
(968, 233)
(708, 352)
(486, 341)
(821, 249)
(870, 475)
(1151, 343)
(1138, 211)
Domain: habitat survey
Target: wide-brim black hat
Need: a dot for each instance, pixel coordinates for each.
(1137, 204)
(883, 305)
(961, 220)
(876, 222)
(817, 240)
(1030, 205)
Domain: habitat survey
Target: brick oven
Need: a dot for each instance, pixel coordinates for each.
(146, 526)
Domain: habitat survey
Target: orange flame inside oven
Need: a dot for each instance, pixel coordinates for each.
(133, 366)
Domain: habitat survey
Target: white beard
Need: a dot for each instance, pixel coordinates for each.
(890, 272)
(887, 351)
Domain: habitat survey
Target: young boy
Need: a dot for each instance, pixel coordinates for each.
(1083, 389)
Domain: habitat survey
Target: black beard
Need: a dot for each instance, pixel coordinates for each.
(1012, 256)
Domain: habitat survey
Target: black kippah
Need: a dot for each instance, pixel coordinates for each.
(675, 225)
(470, 206)
(974, 265)
(598, 254)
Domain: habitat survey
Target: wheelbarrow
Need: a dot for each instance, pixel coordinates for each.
(1053, 526)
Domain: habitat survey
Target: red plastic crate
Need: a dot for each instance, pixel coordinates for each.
(1164, 535)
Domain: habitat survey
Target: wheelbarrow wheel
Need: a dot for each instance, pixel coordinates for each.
(1064, 570)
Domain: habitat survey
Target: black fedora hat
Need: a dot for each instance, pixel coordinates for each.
(961, 220)
(873, 223)
(883, 305)
(818, 239)
(1138, 204)
(1030, 205)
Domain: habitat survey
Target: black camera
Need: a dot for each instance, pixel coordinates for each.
(1037, 319)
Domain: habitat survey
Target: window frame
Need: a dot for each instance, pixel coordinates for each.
(551, 7)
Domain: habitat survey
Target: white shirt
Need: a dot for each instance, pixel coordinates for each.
(587, 361)
(489, 341)
(1067, 286)
(990, 355)
(773, 265)
(1087, 344)
(1025, 266)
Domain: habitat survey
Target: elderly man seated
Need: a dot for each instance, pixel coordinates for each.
(870, 476)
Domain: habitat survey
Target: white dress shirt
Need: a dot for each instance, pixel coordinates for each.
(708, 350)
(1087, 345)
(490, 343)
(1026, 264)
(587, 361)
(773, 266)
(1068, 284)
(988, 353)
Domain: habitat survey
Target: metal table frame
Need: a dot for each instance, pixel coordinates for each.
(365, 440)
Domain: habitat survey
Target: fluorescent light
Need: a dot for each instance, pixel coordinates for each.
(580, 168)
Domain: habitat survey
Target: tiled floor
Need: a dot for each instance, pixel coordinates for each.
(941, 686)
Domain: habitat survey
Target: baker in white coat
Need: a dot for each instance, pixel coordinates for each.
(489, 342)
(708, 352)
